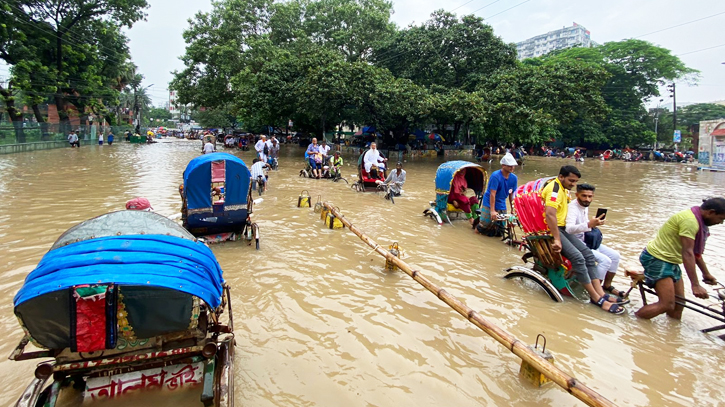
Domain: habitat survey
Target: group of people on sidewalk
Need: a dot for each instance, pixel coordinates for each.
(576, 235)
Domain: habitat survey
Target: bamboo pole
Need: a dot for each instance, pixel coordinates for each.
(518, 348)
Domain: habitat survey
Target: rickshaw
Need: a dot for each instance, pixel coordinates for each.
(475, 178)
(127, 302)
(365, 181)
(208, 138)
(713, 309)
(217, 199)
(545, 269)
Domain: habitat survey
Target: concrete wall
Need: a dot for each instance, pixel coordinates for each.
(38, 145)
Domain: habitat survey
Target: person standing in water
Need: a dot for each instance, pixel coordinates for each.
(681, 240)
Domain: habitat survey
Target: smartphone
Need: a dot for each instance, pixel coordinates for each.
(600, 212)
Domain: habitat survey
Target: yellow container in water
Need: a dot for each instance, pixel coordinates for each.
(529, 372)
(323, 213)
(333, 222)
(304, 200)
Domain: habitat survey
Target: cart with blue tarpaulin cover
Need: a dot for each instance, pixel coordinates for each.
(216, 199)
(125, 302)
(472, 175)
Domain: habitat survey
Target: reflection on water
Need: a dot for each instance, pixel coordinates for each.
(319, 321)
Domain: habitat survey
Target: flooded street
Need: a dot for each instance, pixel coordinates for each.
(320, 322)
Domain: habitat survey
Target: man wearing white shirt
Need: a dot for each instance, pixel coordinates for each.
(578, 222)
(373, 157)
(324, 150)
(257, 171)
(208, 148)
(259, 147)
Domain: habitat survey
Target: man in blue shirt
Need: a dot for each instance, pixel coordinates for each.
(501, 185)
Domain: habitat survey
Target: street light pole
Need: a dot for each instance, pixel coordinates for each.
(657, 113)
(138, 110)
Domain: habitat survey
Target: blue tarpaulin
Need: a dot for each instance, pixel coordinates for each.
(142, 260)
(197, 180)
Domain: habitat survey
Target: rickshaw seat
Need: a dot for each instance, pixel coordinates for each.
(451, 208)
(367, 178)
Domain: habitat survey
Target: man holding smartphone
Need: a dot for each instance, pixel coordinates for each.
(556, 201)
(578, 224)
(681, 240)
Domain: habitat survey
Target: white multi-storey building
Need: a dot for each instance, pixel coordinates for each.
(567, 37)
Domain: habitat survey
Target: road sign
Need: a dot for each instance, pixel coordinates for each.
(677, 137)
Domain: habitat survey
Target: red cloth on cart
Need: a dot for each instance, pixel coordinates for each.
(218, 171)
(90, 332)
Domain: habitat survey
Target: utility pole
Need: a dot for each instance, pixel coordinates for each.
(674, 108)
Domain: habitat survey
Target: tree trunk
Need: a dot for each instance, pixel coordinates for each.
(456, 130)
(63, 117)
(16, 116)
(44, 135)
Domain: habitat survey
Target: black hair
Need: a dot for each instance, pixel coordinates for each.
(585, 187)
(570, 169)
(714, 204)
(256, 160)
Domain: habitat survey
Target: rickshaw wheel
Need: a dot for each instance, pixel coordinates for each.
(525, 275)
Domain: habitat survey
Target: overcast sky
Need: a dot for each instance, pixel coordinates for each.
(157, 44)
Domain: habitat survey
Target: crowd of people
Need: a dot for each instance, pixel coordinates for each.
(575, 233)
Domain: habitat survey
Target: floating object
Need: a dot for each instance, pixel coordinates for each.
(139, 204)
(395, 251)
(517, 347)
(318, 204)
(303, 201)
(333, 222)
(529, 372)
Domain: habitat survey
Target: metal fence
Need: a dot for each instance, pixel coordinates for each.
(33, 132)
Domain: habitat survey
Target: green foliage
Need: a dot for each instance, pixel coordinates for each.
(73, 50)
(222, 118)
(323, 63)
(636, 69)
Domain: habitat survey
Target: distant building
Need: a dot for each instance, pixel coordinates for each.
(711, 151)
(567, 37)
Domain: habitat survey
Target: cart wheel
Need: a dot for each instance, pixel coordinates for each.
(531, 279)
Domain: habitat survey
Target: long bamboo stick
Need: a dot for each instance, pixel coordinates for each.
(518, 348)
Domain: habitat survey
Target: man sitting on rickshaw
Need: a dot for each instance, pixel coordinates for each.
(374, 162)
(457, 197)
(336, 165)
(584, 264)
(311, 155)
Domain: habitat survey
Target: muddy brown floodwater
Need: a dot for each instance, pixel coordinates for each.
(320, 322)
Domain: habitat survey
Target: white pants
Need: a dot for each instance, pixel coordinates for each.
(607, 261)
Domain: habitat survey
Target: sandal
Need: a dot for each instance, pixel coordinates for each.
(615, 299)
(614, 291)
(613, 309)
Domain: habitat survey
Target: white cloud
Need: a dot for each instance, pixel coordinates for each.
(157, 44)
